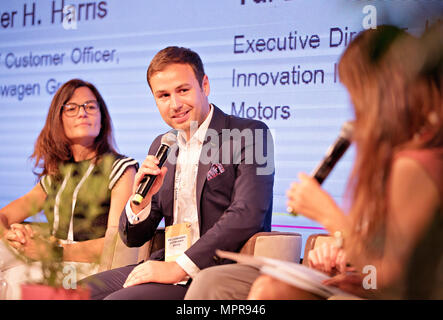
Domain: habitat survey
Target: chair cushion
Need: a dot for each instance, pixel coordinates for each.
(277, 245)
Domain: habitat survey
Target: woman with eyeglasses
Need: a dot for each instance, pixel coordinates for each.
(83, 185)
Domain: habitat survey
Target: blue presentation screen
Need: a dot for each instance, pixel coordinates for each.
(272, 60)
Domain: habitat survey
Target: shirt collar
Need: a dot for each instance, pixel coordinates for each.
(200, 134)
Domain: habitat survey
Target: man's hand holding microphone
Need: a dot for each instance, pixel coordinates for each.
(151, 174)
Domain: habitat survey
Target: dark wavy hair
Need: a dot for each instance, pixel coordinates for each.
(52, 147)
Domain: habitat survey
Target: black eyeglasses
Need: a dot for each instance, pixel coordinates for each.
(71, 109)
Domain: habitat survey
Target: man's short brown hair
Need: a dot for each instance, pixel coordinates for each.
(171, 55)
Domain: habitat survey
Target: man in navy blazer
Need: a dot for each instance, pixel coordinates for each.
(218, 180)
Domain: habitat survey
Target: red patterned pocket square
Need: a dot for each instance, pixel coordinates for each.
(216, 169)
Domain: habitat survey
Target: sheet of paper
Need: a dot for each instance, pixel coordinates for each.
(293, 273)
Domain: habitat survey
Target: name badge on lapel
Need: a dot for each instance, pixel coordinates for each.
(177, 240)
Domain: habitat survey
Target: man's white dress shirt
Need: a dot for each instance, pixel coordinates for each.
(185, 198)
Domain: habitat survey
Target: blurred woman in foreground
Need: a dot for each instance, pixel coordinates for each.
(395, 221)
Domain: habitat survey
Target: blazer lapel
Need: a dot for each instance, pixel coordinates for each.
(218, 122)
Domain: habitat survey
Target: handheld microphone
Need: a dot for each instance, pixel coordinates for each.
(333, 155)
(146, 183)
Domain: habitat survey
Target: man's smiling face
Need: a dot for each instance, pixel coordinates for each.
(179, 96)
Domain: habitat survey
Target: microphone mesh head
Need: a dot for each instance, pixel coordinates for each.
(347, 130)
(169, 138)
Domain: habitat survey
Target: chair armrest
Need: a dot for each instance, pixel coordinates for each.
(313, 241)
(156, 243)
(115, 252)
(276, 245)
